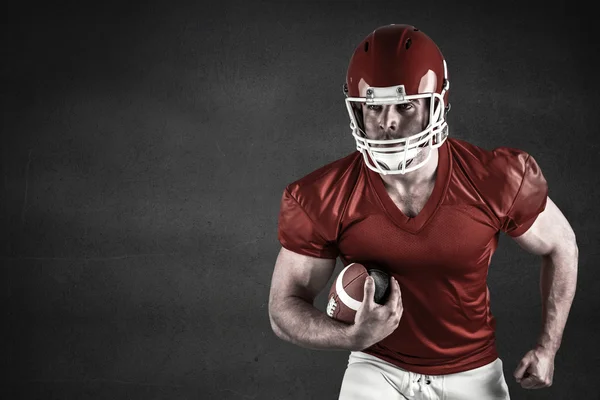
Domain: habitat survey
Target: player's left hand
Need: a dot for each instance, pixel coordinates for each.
(536, 369)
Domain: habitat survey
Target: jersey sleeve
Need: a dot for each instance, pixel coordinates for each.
(300, 233)
(530, 198)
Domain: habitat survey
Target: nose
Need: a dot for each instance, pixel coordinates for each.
(389, 119)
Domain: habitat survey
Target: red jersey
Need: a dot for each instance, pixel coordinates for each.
(440, 258)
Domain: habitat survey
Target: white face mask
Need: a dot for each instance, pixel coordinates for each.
(400, 158)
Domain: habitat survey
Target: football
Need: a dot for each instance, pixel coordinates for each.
(346, 293)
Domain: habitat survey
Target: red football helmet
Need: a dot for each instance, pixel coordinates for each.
(393, 65)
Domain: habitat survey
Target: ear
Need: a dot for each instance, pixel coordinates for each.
(446, 109)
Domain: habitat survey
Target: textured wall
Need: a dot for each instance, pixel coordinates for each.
(145, 149)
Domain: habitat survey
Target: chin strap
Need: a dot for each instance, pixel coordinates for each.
(394, 160)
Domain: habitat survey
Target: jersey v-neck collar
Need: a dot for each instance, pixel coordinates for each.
(417, 223)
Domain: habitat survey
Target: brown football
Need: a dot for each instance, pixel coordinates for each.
(346, 293)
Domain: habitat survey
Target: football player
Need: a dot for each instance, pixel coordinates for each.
(428, 209)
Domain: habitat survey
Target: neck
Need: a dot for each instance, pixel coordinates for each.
(421, 176)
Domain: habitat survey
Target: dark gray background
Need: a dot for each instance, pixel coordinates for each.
(145, 149)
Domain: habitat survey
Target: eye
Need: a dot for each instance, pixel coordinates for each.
(374, 107)
(404, 106)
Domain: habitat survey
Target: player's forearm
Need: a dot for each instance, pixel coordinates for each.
(299, 322)
(558, 281)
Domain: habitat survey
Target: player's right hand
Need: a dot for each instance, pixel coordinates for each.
(374, 322)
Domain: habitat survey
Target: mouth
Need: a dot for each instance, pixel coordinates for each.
(421, 146)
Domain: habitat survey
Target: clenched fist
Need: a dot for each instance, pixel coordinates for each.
(374, 322)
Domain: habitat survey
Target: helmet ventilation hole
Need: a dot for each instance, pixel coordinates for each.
(366, 46)
(408, 43)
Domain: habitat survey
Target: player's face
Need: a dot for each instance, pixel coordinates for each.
(395, 121)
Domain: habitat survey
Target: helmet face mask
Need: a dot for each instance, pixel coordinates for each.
(383, 72)
(397, 156)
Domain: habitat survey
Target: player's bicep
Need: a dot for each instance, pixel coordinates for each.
(549, 231)
(299, 275)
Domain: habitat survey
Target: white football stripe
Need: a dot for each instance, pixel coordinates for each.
(345, 297)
